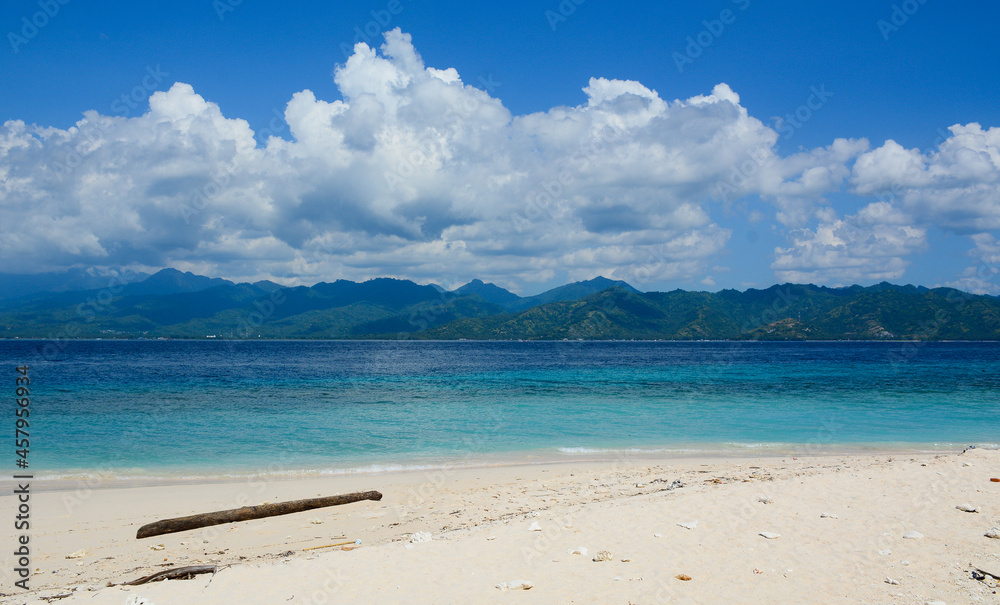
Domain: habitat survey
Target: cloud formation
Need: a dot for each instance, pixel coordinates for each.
(415, 174)
(870, 245)
(956, 186)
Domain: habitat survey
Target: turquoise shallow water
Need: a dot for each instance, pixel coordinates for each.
(153, 408)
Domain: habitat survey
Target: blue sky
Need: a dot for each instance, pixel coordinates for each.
(924, 209)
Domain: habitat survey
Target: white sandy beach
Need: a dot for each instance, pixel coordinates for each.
(840, 521)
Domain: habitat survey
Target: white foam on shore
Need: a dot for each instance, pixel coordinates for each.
(109, 477)
(773, 448)
(151, 475)
(630, 450)
(106, 478)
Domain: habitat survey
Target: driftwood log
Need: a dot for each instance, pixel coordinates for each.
(169, 526)
(173, 574)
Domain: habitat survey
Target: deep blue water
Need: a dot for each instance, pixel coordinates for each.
(209, 407)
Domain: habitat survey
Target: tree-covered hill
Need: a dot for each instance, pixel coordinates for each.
(181, 305)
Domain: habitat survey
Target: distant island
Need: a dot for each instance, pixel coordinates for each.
(172, 304)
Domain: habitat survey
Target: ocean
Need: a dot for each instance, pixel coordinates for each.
(203, 409)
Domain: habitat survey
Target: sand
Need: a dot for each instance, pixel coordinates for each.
(479, 523)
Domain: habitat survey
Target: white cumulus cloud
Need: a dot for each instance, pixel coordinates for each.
(870, 245)
(413, 173)
(956, 186)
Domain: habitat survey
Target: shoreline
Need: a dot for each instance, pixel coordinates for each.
(719, 340)
(104, 478)
(479, 521)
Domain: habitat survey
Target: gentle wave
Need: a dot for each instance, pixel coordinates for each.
(96, 478)
(705, 448)
(630, 450)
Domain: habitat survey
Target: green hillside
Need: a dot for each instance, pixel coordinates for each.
(189, 306)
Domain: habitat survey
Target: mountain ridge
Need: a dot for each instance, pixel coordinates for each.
(183, 305)
(489, 292)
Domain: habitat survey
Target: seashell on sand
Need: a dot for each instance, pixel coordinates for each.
(515, 585)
